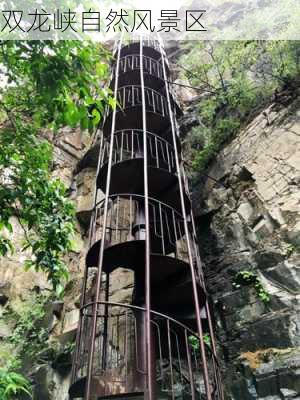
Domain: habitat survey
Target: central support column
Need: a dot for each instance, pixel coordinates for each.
(139, 233)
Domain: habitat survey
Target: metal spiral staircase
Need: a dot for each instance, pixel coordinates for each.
(155, 347)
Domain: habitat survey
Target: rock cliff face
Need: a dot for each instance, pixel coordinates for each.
(247, 214)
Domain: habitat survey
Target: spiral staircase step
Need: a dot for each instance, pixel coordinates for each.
(128, 177)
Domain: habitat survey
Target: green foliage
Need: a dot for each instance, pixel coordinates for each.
(12, 382)
(56, 83)
(5, 245)
(246, 278)
(38, 201)
(69, 348)
(237, 78)
(291, 248)
(48, 85)
(195, 342)
(29, 343)
(29, 336)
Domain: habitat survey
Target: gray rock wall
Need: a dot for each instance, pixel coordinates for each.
(249, 221)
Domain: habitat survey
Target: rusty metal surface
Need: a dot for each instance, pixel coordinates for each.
(178, 368)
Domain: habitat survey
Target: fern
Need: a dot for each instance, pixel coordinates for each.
(12, 383)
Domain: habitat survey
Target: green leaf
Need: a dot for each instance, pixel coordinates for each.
(96, 116)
